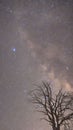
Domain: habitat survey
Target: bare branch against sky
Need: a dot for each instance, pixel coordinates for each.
(56, 108)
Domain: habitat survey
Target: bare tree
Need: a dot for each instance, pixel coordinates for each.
(58, 109)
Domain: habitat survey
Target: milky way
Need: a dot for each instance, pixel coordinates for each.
(36, 43)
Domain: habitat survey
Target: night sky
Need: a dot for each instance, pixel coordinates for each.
(36, 43)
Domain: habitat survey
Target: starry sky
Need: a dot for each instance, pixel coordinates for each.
(36, 43)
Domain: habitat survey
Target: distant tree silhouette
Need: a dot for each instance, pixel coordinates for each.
(57, 109)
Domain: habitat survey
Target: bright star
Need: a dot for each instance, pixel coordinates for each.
(14, 49)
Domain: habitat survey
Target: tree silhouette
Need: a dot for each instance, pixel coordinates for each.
(57, 109)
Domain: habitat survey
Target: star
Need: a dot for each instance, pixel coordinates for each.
(14, 49)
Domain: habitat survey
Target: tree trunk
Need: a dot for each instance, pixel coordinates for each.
(56, 128)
